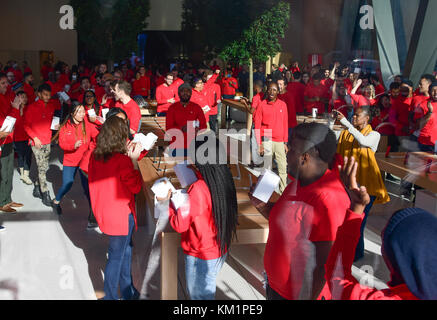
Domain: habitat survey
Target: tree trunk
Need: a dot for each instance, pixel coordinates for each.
(249, 116)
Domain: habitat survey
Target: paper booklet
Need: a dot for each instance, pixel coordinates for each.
(105, 112)
(55, 122)
(147, 142)
(92, 113)
(63, 96)
(266, 185)
(180, 198)
(185, 175)
(161, 186)
(8, 124)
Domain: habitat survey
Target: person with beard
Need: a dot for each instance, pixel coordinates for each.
(28, 87)
(181, 115)
(303, 223)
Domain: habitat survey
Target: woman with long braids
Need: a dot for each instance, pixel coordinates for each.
(76, 138)
(207, 222)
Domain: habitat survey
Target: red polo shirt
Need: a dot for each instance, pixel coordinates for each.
(163, 94)
(273, 116)
(141, 87)
(229, 86)
(200, 99)
(38, 120)
(401, 106)
(113, 185)
(178, 117)
(197, 226)
(312, 214)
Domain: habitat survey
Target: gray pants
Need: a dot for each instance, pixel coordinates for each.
(42, 157)
(6, 173)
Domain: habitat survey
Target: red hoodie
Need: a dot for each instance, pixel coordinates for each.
(342, 284)
(69, 134)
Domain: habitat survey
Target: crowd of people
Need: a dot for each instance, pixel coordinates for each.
(322, 211)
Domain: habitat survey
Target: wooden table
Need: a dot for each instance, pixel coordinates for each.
(236, 104)
(413, 172)
(252, 229)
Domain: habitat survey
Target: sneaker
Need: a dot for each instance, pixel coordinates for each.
(2, 229)
(92, 225)
(57, 208)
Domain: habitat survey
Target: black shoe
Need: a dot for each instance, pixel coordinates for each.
(37, 192)
(57, 208)
(46, 200)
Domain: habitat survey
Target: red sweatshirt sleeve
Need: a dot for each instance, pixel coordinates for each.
(210, 82)
(28, 121)
(130, 177)
(258, 120)
(202, 119)
(181, 219)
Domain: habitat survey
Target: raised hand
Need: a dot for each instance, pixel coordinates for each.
(358, 195)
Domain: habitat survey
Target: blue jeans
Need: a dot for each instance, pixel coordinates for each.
(68, 174)
(359, 251)
(161, 114)
(24, 152)
(201, 276)
(118, 267)
(426, 148)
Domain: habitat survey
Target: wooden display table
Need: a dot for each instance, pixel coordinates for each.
(252, 226)
(414, 171)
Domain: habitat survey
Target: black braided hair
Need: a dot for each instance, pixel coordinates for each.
(218, 178)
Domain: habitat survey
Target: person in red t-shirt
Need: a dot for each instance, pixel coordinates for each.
(416, 110)
(165, 95)
(207, 221)
(297, 90)
(316, 95)
(77, 138)
(114, 179)
(37, 124)
(9, 106)
(402, 106)
(378, 85)
(121, 91)
(229, 85)
(288, 98)
(428, 124)
(185, 116)
(303, 223)
(272, 115)
(367, 98)
(21, 142)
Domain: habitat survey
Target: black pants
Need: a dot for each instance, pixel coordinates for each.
(213, 122)
(24, 152)
(6, 173)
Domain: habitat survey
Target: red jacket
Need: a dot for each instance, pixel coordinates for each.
(163, 94)
(178, 117)
(69, 134)
(38, 121)
(6, 109)
(273, 116)
(197, 226)
(342, 284)
(113, 185)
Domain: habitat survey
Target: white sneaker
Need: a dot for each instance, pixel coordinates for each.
(2, 229)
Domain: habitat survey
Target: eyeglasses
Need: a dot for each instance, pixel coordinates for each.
(89, 96)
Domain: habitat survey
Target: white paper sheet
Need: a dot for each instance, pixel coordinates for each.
(55, 122)
(267, 184)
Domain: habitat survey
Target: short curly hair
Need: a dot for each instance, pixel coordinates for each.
(112, 139)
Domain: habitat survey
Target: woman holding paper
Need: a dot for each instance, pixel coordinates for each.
(207, 222)
(114, 180)
(93, 108)
(76, 138)
(361, 142)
